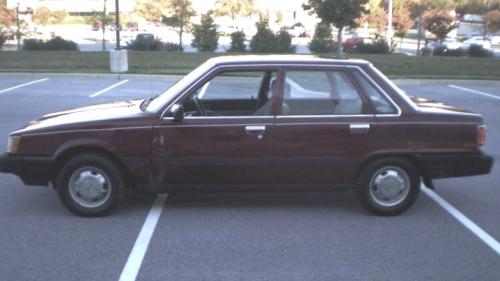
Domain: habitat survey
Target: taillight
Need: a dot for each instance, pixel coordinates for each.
(481, 135)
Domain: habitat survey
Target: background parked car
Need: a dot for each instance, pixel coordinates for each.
(477, 40)
(495, 40)
(296, 30)
(226, 29)
(433, 48)
(351, 40)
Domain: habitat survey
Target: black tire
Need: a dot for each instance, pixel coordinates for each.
(95, 165)
(366, 193)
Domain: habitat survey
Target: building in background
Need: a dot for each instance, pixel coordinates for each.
(471, 25)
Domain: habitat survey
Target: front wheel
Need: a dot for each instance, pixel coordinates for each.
(89, 185)
(388, 186)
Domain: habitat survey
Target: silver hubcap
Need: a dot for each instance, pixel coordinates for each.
(90, 187)
(389, 186)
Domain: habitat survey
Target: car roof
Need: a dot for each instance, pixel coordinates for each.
(282, 59)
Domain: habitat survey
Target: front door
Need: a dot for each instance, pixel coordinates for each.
(225, 137)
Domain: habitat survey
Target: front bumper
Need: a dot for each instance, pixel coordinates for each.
(455, 165)
(33, 170)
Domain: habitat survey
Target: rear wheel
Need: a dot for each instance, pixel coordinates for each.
(388, 186)
(90, 185)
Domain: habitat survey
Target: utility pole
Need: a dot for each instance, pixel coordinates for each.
(18, 32)
(389, 24)
(103, 26)
(117, 20)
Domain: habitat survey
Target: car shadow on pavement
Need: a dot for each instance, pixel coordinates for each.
(345, 202)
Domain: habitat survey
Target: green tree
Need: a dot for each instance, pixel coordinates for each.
(340, 13)
(322, 41)
(41, 15)
(58, 17)
(99, 17)
(419, 7)
(2, 40)
(234, 8)
(152, 10)
(205, 34)
(237, 42)
(181, 12)
(439, 23)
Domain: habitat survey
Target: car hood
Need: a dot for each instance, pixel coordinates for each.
(436, 106)
(87, 117)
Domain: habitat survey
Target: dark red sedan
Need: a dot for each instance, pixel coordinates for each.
(254, 123)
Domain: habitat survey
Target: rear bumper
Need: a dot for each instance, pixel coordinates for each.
(455, 165)
(33, 170)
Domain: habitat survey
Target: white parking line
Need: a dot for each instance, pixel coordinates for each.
(135, 258)
(465, 221)
(108, 88)
(474, 91)
(22, 85)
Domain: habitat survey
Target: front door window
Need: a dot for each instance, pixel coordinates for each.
(243, 93)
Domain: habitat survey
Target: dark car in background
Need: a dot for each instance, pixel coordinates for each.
(254, 123)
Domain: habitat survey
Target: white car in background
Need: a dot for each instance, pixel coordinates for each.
(453, 44)
(477, 40)
(226, 29)
(495, 40)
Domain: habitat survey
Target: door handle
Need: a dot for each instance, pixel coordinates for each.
(252, 130)
(255, 129)
(359, 128)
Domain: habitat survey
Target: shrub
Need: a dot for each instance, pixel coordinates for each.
(283, 43)
(146, 43)
(265, 41)
(172, 47)
(237, 42)
(59, 44)
(455, 53)
(322, 41)
(377, 47)
(205, 35)
(55, 44)
(2, 40)
(33, 45)
(479, 52)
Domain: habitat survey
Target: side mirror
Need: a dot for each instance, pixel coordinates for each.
(177, 111)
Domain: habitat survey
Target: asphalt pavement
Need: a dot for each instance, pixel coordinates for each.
(243, 236)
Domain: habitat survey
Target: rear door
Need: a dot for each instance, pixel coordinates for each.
(324, 127)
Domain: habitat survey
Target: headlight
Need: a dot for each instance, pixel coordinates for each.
(13, 144)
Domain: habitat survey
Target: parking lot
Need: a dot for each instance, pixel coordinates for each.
(244, 236)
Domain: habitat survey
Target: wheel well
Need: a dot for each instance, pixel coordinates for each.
(74, 151)
(414, 161)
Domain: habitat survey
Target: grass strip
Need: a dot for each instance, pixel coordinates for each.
(395, 66)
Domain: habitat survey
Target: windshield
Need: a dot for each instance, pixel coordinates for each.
(158, 102)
